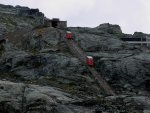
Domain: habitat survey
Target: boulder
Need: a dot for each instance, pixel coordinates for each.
(139, 35)
(109, 28)
(19, 97)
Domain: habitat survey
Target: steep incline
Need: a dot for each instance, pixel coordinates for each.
(75, 49)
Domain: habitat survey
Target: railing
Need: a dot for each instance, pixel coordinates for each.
(141, 41)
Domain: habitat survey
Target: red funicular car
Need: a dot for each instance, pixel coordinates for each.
(69, 35)
(89, 61)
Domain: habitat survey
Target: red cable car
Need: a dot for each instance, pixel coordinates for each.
(89, 61)
(69, 35)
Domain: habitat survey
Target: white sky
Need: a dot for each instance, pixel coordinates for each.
(131, 15)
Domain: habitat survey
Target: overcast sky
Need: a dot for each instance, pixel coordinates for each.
(131, 15)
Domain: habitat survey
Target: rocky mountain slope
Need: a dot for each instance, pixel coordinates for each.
(18, 17)
(39, 74)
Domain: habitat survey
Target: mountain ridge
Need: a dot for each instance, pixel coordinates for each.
(46, 77)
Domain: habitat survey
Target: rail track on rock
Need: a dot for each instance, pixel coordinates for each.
(81, 55)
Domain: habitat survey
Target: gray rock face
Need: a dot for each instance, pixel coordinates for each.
(124, 66)
(116, 60)
(21, 11)
(2, 30)
(109, 28)
(41, 64)
(20, 98)
(29, 12)
(139, 35)
(18, 17)
(41, 56)
(125, 69)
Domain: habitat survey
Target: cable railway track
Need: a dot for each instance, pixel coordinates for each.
(81, 55)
